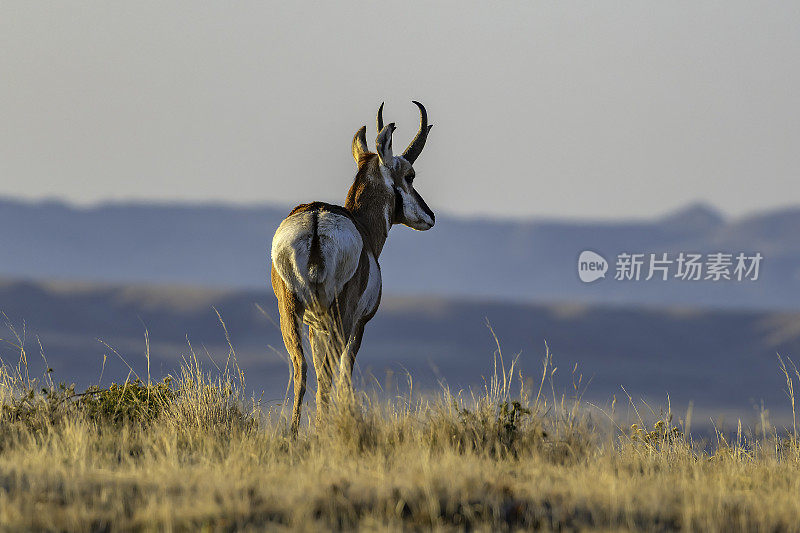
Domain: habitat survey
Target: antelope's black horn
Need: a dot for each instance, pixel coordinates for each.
(380, 117)
(415, 148)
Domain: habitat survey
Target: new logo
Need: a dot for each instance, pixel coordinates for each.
(591, 266)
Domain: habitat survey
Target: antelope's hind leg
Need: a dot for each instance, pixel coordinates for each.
(291, 329)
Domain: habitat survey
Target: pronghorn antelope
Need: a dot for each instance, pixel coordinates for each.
(325, 269)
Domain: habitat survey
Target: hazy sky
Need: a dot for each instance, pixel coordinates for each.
(558, 108)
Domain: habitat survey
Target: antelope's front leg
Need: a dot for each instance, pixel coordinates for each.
(322, 351)
(348, 357)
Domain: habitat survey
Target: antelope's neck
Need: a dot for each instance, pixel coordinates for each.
(375, 222)
(371, 203)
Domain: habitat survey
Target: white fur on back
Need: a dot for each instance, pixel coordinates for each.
(340, 247)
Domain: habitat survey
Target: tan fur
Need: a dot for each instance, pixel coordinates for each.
(363, 198)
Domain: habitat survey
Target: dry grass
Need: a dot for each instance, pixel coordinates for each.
(191, 452)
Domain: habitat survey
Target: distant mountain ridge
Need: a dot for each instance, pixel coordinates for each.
(228, 247)
(722, 360)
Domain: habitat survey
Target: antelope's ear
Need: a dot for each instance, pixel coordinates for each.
(384, 144)
(360, 145)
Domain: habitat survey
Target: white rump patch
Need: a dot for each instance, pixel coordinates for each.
(340, 248)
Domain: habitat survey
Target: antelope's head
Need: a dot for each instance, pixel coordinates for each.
(397, 172)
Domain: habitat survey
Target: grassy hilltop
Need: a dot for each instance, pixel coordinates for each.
(191, 452)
